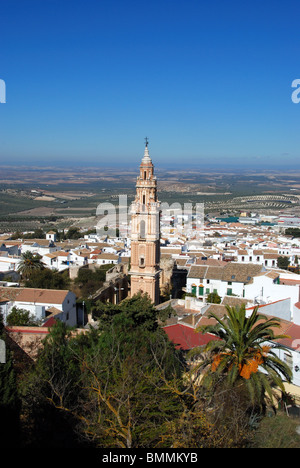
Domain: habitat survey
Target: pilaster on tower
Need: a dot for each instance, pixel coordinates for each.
(145, 233)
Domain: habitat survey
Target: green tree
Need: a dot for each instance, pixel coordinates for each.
(29, 262)
(137, 311)
(166, 313)
(20, 317)
(73, 233)
(214, 298)
(295, 232)
(166, 292)
(90, 280)
(48, 279)
(54, 378)
(283, 262)
(37, 234)
(113, 380)
(9, 399)
(243, 355)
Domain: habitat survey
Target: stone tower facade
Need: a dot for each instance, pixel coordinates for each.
(145, 233)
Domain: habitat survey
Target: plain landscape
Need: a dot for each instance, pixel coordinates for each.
(32, 197)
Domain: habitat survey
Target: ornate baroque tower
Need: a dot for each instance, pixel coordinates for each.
(145, 233)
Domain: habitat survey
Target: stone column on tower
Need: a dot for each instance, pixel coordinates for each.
(145, 233)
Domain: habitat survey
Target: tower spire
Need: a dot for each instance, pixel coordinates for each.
(146, 158)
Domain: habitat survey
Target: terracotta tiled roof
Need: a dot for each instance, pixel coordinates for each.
(107, 256)
(43, 296)
(272, 274)
(50, 322)
(218, 309)
(293, 339)
(181, 261)
(290, 282)
(167, 250)
(204, 321)
(41, 242)
(197, 271)
(185, 337)
(214, 272)
(242, 273)
(210, 262)
(9, 294)
(191, 319)
(53, 311)
(234, 301)
(236, 272)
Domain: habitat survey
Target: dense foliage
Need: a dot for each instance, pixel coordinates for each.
(48, 279)
(29, 263)
(20, 317)
(240, 371)
(295, 232)
(9, 398)
(90, 280)
(112, 380)
(123, 384)
(283, 262)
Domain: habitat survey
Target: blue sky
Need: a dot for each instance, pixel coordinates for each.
(208, 82)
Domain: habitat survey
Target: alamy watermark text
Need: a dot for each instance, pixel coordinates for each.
(296, 93)
(2, 92)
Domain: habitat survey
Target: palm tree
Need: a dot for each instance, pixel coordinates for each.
(243, 354)
(29, 262)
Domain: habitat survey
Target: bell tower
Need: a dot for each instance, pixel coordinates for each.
(145, 233)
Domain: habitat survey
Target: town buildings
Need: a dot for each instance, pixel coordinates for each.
(176, 254)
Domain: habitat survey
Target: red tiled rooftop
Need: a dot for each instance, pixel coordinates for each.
(186, 338)
(293, 337)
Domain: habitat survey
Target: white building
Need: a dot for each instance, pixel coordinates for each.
(41, 303)
(38, 246)
(106, 258)
(51, 236)
(291, 353)
(225, 280)
(252, 282)
(62, 260)
(9, 263)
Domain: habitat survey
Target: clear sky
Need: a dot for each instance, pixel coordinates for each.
(208, 82)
